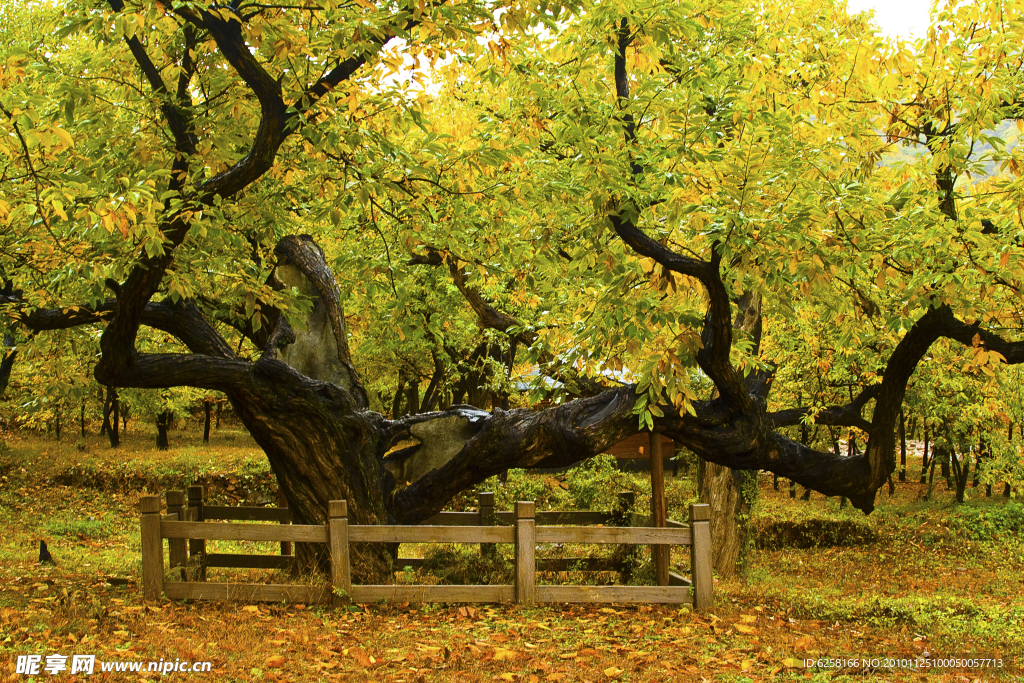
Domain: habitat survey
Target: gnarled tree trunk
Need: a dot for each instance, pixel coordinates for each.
(731, 495)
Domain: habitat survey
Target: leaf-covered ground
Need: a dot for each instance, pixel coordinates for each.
(938, 579)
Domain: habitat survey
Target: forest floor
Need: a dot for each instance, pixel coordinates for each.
(918, 579)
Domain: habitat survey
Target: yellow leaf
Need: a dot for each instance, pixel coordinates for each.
(743, 628)
(64, 136)
(251, 608)
(748, 619)
(508, 677)
(274, 661)
(746, 664)
(613, 672)
(554, 677)
(502, 653)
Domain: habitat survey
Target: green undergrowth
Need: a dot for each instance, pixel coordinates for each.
(231, 467)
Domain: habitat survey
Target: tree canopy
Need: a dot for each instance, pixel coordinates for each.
(669, 208)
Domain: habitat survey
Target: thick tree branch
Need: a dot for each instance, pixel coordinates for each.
(716, 336)
(321, 350)
(964, 333)
(178, 118)
(183, 320)
(848, 415)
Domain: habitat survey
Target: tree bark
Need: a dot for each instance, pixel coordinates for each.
(731, 495)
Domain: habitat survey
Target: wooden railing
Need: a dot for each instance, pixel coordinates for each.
(183, 527)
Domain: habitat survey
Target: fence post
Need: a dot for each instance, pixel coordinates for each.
(486, 506)
(526, 545)
(282, 504)
(700, 556)
(197, 546)
(152, 548)
(626, 553)
(177, 548)
(337, 533)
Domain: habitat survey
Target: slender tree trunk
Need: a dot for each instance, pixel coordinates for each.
(979, 456)
(81, 419)
(163, 423)
(903, 446)
(851, 449)
(207, 409)
(115, 419)
(961, 467)
(924, 458)
(57, 424)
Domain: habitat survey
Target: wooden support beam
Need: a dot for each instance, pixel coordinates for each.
(661, 553)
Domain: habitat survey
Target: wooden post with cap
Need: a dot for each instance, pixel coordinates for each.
(341, 567)
(526, 548)
(152, 548)
(700, 556)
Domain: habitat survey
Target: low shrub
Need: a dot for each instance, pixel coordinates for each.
(812, 533)
(990, 522)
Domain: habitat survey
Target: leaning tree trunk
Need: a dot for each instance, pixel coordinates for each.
(731, 495)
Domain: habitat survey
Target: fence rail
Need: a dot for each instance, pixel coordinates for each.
(186, 530)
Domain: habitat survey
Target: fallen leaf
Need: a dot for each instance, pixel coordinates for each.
(251, 608)
(501, 653)
(804, 644)
(534, 679)
(743, 628)
(613, 672)
(508, 677)
(274, 661)
(748, 618)
(554, 677)
(567, 655)
(746, 664)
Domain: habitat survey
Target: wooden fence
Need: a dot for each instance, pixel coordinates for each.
(186, 529)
